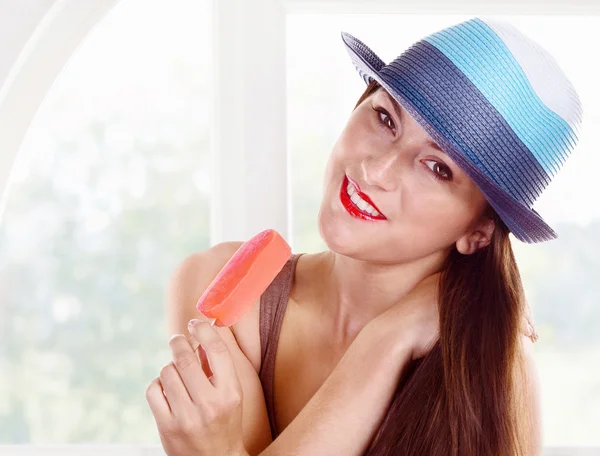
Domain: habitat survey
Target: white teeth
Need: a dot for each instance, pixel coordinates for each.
(361, 203)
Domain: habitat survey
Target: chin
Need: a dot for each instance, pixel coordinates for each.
(338, 235)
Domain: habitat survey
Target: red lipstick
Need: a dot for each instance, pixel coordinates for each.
(352, 208)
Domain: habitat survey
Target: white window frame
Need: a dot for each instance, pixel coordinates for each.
(251, 178)
(31, 61)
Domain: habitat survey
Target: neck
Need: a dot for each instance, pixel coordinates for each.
(352, 292)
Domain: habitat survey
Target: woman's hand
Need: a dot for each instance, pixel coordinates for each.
(413, 323)
(196, 415)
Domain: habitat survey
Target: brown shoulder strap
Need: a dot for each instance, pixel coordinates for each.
(273, 303)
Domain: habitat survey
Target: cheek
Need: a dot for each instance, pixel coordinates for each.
(343, 154)
(356, 140)
(435, 213)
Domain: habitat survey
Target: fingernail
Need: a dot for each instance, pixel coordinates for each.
(192, 323)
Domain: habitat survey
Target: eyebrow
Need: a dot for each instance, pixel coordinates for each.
(435, 146)
(398, 110)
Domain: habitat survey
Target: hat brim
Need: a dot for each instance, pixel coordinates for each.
(524, 222)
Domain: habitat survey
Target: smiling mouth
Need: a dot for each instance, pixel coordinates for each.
(357, 203)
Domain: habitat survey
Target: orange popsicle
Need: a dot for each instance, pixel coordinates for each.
(244, 278)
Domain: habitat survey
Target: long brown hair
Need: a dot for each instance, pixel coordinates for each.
(461, 399)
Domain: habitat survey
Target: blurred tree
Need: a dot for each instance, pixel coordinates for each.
(88, 241)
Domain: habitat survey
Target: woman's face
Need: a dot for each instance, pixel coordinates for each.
(415, 200)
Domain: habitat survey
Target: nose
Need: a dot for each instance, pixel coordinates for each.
(380, 171)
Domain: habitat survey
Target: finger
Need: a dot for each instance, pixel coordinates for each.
(201, 354)
(189, 368)
(175, 391)
(198, 348)
(157, 401)
(202, 357)
(217, 352)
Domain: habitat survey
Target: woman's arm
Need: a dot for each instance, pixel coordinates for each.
(345, 413)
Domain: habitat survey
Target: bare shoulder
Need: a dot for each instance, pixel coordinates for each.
(197, 270)
(191, 278)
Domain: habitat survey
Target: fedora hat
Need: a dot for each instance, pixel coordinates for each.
(492, 99)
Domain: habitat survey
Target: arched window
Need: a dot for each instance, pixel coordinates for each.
(111, 190)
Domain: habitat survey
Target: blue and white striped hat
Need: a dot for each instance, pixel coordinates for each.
(494, 101)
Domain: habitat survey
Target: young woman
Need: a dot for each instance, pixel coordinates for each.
(410, 334)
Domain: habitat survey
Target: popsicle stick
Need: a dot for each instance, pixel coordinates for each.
(196, 349)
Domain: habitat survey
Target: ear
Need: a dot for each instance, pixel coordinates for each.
(477, 238)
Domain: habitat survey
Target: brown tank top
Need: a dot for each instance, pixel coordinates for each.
(273, 303)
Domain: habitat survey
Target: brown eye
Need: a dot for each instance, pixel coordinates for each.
(440, 171)
(385, 119)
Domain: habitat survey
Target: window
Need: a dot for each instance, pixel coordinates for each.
(111, 190)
